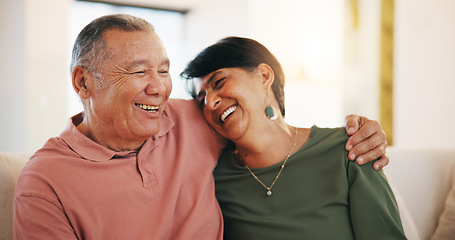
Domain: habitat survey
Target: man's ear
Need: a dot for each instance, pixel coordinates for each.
(268, 76)
(79, 79)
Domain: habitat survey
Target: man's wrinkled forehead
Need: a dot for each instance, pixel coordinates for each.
(134, 44)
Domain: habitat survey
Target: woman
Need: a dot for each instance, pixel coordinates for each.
(279, 181)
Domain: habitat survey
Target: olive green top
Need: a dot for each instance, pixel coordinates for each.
(320, 194)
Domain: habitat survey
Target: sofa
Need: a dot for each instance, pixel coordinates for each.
(10, 167)
(421, 179)
(423, 183)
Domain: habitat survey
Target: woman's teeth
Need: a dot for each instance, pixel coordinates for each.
(228, 112)
(148, 108)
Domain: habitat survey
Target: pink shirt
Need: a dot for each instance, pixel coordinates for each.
(74, 188)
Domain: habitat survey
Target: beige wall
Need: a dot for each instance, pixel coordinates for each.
(12, 80)
(35, 72)
(425, 74)
(47, 68)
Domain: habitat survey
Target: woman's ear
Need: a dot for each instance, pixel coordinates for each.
(79, 78)
(268, 76)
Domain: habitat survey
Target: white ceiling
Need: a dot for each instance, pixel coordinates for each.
(178, 5)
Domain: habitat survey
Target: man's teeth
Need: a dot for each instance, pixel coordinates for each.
(149, 108)
(228, 112)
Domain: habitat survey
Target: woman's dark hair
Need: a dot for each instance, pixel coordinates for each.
(235, 52)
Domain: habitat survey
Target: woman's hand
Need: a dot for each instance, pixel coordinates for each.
(367, 142)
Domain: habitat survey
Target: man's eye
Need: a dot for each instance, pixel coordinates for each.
(139, 72)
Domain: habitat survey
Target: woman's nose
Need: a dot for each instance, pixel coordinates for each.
(212, 101)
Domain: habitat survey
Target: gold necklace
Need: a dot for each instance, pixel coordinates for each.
(269, 189)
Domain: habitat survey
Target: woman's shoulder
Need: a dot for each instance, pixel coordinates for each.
(328, 135)
(325, 145)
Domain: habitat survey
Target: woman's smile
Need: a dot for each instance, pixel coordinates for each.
(228, 113)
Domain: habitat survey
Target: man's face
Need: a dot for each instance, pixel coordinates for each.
(136, 85)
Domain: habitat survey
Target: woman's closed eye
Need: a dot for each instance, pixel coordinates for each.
(218, 83)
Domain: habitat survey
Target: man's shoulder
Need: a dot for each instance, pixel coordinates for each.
(177, 104)
(45, 163)
(188, 118)
(182, 109)
(50, 156)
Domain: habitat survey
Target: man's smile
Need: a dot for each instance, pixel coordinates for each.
(148, 108)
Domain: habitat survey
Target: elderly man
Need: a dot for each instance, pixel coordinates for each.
(135, 164)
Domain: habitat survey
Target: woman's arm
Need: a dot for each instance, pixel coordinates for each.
(373, 208)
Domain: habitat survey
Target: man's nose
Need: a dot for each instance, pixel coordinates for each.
(156, 85)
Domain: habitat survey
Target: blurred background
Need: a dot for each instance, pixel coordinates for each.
(333, 52)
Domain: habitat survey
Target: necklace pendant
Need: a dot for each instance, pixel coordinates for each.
(269, 193)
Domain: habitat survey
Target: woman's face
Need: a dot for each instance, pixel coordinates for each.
(231, 100)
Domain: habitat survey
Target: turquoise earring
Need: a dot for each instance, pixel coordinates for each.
(270, 112)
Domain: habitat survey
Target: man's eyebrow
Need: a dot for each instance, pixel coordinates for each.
(135, 64)
(165, 62)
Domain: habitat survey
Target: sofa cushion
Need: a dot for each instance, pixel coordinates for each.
(10, 167)
(446, 226)
(423, 179)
